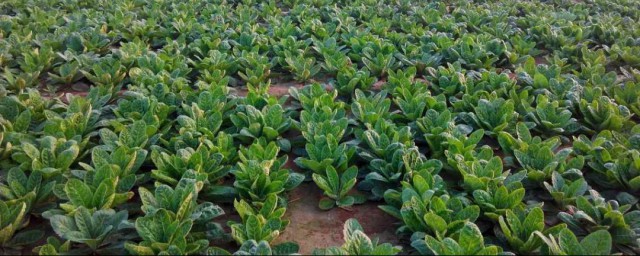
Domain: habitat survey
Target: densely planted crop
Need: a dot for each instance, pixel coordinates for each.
(483, 127)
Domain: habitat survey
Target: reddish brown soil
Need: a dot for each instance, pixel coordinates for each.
(276, 89)
(541, 60)
(290, 164)
(281, 89)
(378, 85)
(313, 228)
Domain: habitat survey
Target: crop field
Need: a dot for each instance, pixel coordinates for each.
(351, 127)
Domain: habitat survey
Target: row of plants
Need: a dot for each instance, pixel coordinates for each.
(482, 127)
(323, 124)
(261, 179)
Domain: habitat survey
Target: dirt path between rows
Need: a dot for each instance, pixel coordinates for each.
(312, 228)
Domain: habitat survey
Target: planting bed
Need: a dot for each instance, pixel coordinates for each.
(319, 126)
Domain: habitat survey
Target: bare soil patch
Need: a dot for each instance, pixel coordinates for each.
(312, 228)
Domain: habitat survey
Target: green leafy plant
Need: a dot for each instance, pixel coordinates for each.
(302, 68)
(288, 46)
(260, 173)
(215, 60)
(493, 116)
(162, 232)
(495, 201)
(591, 214)
(128, 52)
(441, 216)
(386, 148)
(136, 135)
(270, 123)
(325, 151)
(601, 113)
(67, 73)
(257, 78)
(263, 224)
(388, 173)
(596, 243)
(107, 72)
(463, 147)
(540, 161)
(97, 190)
(37, 60)
(202, 161)
(54, 247)
(78, 123)
(624, 171)
(181, 202)
(627, 95)
(319, 124)
(413, 99)
(434, 126)
(97, 230)
(123, 162)
(382, 139)
(137, 106)
(50, 156)
(610, 157)
(565, 192)
(251, 247)
(379, 58)
(519, 229)
(477, 51)
(370, 109)
(349, 79)
(480, 174)
(401, 78)
(32, 190)
(627, 53)
(550, 118)
(200, 116)
(18, 83)
(520, 48)
(315, 94)
(483, 85)
(421, 184)
(336, 187)
(333, 54)
(356, 242)
(469, 242)
(178, 213)
(12, 219)
(522, 140)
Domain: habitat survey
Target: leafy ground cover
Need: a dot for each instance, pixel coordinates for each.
(480, 127)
